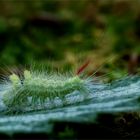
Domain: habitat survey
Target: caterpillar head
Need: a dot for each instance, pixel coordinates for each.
(27, 75)
(9, 96)
(14, 79)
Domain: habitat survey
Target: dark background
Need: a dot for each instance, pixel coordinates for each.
(65, 34)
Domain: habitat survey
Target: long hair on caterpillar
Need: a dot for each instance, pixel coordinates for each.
(35, 90)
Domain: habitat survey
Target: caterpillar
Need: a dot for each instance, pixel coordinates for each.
(35, 88)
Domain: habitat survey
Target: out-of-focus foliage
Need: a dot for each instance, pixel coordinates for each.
(67, 33)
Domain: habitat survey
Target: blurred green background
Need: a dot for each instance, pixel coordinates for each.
(65, 34)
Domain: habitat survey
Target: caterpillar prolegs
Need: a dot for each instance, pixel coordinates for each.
(35, 88)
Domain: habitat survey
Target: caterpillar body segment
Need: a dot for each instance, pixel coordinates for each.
(37, 88)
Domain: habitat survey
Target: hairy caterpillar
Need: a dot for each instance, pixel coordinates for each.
(35, 88)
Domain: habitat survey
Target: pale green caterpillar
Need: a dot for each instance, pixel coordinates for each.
(36, 88)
